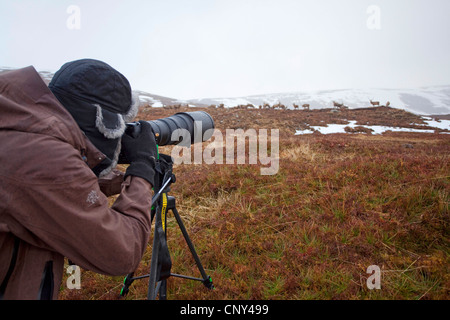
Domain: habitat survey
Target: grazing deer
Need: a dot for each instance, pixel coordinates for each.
(375, 103)
(305, 106)
(337, 105)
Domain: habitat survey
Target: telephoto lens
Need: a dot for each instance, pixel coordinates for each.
(197, 126)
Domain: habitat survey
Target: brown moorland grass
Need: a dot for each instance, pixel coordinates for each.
(338, 204)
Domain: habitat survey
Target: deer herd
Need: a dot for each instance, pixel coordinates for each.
(280, 106)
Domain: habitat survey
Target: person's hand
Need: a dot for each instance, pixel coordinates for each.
(141, 152)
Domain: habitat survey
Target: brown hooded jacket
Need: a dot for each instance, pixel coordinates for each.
(51, 204)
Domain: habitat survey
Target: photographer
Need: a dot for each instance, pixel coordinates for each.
(59, 147)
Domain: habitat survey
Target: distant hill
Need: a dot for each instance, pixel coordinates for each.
(427, 101)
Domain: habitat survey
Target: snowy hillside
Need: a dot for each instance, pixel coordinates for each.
(427, 101)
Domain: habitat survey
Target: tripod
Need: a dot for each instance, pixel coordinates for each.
(160, 266)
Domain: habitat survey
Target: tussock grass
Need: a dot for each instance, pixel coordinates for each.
(339, 204)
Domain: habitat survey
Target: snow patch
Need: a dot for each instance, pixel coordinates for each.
(340, 128)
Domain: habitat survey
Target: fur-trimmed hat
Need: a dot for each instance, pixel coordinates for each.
(100, 100)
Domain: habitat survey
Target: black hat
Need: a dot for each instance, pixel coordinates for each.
(100, 100)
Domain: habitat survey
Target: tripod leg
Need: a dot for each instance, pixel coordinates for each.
(206, 279)
(163, 290)
(126, 284)
(151, 294)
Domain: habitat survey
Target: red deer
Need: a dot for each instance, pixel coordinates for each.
(375, 103)
(279, 105)
(337, 105)
(305, 106)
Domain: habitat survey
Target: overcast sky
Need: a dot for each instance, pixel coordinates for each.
(228, 48)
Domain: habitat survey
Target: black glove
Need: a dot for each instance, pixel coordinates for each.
(140, 151)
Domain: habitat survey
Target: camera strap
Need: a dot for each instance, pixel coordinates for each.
(163, 172)
(164, 260)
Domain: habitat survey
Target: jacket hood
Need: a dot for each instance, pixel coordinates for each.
(28, 105)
